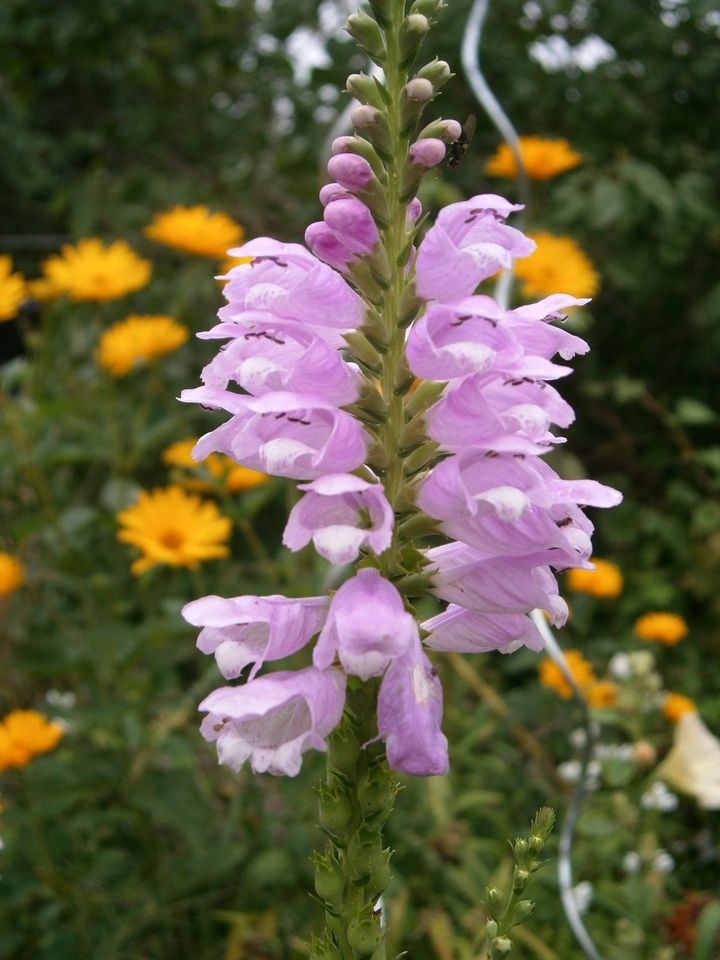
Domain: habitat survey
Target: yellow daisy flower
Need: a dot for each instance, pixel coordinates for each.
(667, 628)
(91, 271)
(605, 580)
(551, 676)
(136, 340)
(23, 735)
(676, 705)
(604, 693)
(558, 265)
(41, 288)
(12, 574)
(12, 290)
(170, 526)
(542, 159)
(235, 477)
(195, 230)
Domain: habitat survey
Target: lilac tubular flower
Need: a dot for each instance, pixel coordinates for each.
(284, 434)
(533, 323)
(333, 191)
(274, 355)
(366, 627)
(326, 246)
(458, 630)
(340, 513)
(455, 340)
(466, 577)
(243, 630)
(353, 225)
(409, 715)
(288, 280)
(468, 243)
(272, 721)
(427, 153)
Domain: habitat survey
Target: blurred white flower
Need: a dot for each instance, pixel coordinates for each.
(59, 700)
(658, 797)
(663, 862)
(641, 662)
(693, 764)
(578, 738)
(569, 771)
(582, 895)
(631, 862)
(619, 666)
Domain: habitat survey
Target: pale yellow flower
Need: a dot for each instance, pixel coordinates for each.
(558, 265)
(542, 159)
(666, 628)
(605, 580)
(195, 230)
(172, 527)
(136, 340)
(12, 574)
(12, 290)
(91, 271)
(23, 735)
(693, 764)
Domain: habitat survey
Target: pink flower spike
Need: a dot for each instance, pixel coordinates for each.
(272, 721)
(366, 627)
(427, 153)
(409, 715)
(463, 631)
(335, 513)
(352, 224)
(243, 630)
(351, 171)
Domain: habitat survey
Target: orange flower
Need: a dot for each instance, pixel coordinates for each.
(676, 705)
(235, 477)
(12, 574)
(605, 580)
(602, 694)
(542, 159)
(23, 735)
(552, 676)
(666, 628)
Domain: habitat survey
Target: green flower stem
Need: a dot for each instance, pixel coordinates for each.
(355, 801)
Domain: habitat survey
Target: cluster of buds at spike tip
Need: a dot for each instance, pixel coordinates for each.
(507, 910)
(366, 365)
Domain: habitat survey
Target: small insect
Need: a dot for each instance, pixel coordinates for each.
(457, 149)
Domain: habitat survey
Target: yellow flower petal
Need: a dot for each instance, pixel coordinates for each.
(196, 230)
(666, 628)
(12, 574)
(551, 675)
(91, 271)
(23, 735)
(12, 290)
(542, 159)
(136, 340)
(605, 580)
(558, 265)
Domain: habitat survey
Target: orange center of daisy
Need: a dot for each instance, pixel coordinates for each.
(172, 539)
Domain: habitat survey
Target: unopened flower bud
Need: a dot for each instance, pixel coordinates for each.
(364, 934)
(520, 880)
(362, 852)
(438, 72)
(520, 848)
(495, 899)
(429, 8)
(535, 844)
(364, 89)
(329, 879)
(335, 810)
(445, 130)
(366, 32)
(501, 947)
(332, 191)
(523, 910)
(491, 929)
(413, 31)
(351, 171)
(365, 116)
(427, 153)
(419, 89)
(363, 149)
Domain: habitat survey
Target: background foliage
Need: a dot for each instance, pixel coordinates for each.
(128, 842)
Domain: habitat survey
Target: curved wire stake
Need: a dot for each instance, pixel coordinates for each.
(567, 835)
(470, 58)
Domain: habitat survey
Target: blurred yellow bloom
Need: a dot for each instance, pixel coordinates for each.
(676, 705)
(12, 290)
(551, 675)
(667, 628)
(91, 271)
(558, 265)
(235, 477)
(12, 574)
(23, 735)
(136, 340)
(170, 526)
(542, 159)
(693, 764)
(196, 230)
(605, 580)
(604, 693)
(41, 288)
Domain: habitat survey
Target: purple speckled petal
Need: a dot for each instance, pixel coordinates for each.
(409, 715)
(366, 627)
(272, 721)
